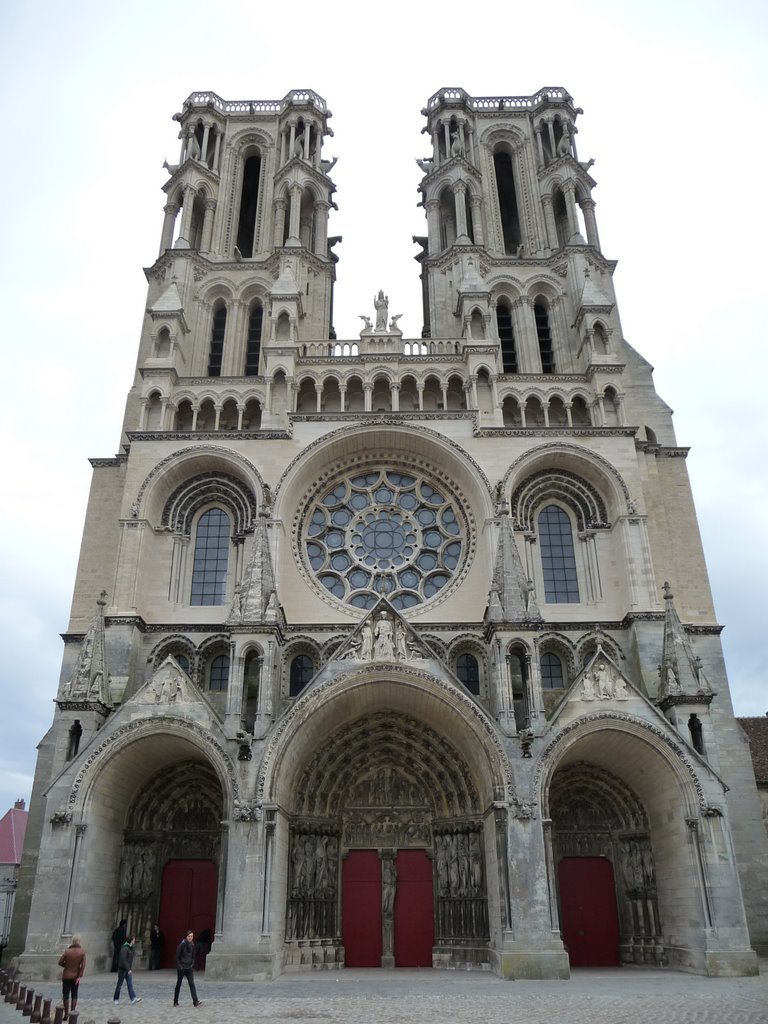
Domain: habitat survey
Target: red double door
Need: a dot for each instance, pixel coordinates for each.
(589, 920)
(413, 916)
(187, 901)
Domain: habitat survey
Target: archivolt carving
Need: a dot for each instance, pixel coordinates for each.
(578, 452)
(387, 761)
(199, 449)
(616, 716)
(311, 700)
(203, 488)
(580, 496)
(155, 728)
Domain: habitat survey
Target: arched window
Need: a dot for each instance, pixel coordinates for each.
(505, 187)
(218, 328)
(506, 338)
(249, 203)
(558, 559)
(183, 661)
(253, 341)
(552, 675)
(251, 680)
(209, 572)
(218, 674)
(302, 670)
(468, 671)
(544, 334)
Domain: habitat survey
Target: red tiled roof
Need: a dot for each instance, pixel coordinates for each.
(757, 733)
(13, 825)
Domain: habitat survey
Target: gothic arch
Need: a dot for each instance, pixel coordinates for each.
(340, 700)
(603, 477)
(176, 469)
(202, 489)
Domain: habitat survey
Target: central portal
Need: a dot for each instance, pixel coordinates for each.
(387, 917)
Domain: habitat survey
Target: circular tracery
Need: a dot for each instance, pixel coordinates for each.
(384, 532)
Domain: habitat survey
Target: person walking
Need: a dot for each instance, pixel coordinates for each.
(185, 968)
(156, 940)
(125, 971)
(73, 962)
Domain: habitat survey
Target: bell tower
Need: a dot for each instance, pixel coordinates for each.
(244, 269)
(507, 199)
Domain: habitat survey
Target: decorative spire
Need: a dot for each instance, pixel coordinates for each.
(91, 677)
(512, 593)
(255, 599)
(680, 671)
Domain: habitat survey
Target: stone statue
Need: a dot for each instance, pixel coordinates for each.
(367, 320)
(381, 304)
(384, 646)
(366, 642)
(457, 146)
(393, 322)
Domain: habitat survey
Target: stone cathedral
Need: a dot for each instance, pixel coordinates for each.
(393, 651)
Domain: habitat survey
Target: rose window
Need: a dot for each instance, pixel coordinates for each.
(384, 533)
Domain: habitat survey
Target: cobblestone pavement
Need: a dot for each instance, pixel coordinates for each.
(619, 996)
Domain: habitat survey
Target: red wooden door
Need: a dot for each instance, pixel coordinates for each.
(414, 925)
(588, 911)
(187, 900)
(361, 909)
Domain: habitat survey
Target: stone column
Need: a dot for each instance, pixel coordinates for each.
(433, 226)
(319, 397)
(539, 144)
(551, 130)
(368, 390)
(166, 238)
(394, 395)
(294, 216)
(569, 194)
(217, 152)
(343, 397)
(549, 221)
(590, 223)
(210, 207)
(460, 206)
(321, 227)
(204, 144)
(182, 242)
(476, 212)
(280, 209)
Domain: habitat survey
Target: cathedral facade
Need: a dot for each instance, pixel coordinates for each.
(393, 651)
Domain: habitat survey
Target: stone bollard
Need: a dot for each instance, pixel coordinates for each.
(35, 1017)
(3, 982)
(12, 994)
(27, 1011)
(113, 1020)
(46, 1015)
(73, 1017)
(21, 997)
(58, 1015)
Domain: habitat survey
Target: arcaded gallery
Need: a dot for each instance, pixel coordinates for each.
(394, 650)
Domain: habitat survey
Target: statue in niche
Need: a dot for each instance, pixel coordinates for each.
(475, 862)
(384, 647)
(366, 642)
(401, 642)
(457, 146)
(381, 305)
(298, 145)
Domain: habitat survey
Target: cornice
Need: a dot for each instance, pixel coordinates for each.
(114, 463)
(549, 431)
(556, 261)
(209, 435)
(677, 699)
(594, 368)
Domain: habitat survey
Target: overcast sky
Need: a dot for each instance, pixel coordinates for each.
(674, 99)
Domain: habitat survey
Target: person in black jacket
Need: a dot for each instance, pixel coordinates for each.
(125, 971)
(119, 935)
(156, 940)
(185, 968)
